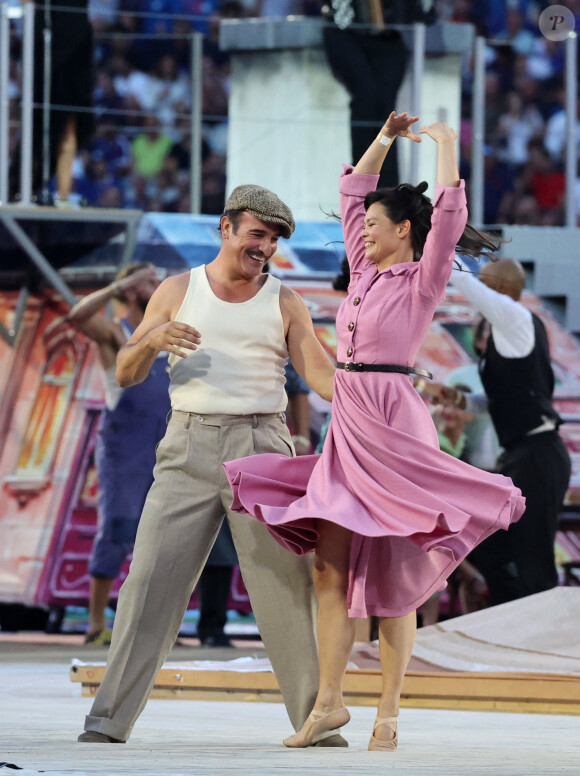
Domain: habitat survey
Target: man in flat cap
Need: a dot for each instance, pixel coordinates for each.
(229, 328)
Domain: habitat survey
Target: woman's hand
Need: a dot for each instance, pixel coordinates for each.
(372, 160)
(401, 125)
(439, 132)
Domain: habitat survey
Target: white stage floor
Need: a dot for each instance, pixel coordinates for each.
(42, 713)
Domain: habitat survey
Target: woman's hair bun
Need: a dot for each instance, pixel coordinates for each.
(415, 191)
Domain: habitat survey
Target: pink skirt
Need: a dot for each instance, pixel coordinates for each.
(415, 512)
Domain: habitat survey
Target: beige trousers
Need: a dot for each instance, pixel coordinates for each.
(180, 522)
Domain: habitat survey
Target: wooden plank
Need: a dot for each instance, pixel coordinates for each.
(541, 693)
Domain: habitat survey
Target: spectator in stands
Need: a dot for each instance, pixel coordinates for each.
(96, 180)
(546, 183)
(112, 147)
(516, 127)
(498, 179)
(215, 96)
(493, 101)
(136, 193)
(131, 82)
(150, 148)
(170, 91)
(111, 198)
(108, 101)
(181, 46)
(212, 193)
(103, 13)
(515, 30)
(555, 139)
(167, 185)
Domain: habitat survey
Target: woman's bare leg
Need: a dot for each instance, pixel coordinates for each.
(335, 633)
(396, 639)
(67, 151)
(335, 629)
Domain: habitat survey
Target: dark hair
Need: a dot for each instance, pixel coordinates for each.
(234, 216)
(130, 269)
(341, 281)
(408, 203)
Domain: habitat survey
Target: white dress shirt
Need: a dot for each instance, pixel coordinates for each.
(511, 323)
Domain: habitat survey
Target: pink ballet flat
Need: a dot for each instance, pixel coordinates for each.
(316, 725)
(377, 744)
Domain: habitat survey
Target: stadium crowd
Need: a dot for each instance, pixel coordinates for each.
(140, 154)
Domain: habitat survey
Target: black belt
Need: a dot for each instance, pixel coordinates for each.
(357, 366)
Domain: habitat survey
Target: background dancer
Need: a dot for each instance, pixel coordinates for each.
(132, 424)
(519, 382)
(229, 328)
(388, 514)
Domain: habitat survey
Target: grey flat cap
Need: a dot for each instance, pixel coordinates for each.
(263, 204)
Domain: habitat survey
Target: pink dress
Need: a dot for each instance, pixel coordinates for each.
(415, 511)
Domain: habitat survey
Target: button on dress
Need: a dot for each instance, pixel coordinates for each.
(415, 511)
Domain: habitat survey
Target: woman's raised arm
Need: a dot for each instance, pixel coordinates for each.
(445, 137)
(449, 214)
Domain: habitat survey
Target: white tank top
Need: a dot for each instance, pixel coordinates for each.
(238, 368)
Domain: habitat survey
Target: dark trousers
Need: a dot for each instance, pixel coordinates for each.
(520, 561)
(214, 590)
(371, 68)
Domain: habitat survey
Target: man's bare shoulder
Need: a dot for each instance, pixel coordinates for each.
(175, 284)
(171, 293)
(288, 294)
(290, 300)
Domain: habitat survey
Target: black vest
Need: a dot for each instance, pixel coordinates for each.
(519, 390)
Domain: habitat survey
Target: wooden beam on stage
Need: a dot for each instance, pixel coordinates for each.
(485, 691)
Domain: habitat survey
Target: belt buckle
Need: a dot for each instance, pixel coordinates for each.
(350, 366)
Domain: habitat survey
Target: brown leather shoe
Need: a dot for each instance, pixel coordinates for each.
(93, 737)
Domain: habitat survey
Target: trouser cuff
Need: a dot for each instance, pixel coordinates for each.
(108, 727)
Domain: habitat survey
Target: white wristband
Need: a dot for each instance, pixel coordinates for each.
(301, 440)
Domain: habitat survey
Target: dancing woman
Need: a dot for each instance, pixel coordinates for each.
(388, 515)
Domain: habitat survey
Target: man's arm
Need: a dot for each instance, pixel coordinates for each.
(157, 331)
(105, 332)
(299, 416)
(298, 410)
(85, 317)
(510, 319)
(306, 353)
